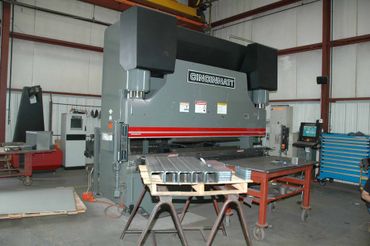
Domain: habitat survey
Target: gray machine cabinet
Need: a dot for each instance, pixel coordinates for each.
(130, 185)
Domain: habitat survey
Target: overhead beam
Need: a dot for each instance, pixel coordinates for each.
(325, 64)
(253, 12)
(121, 5)
(170, 6)
(5, 27)
(183, 20)
(109, 4)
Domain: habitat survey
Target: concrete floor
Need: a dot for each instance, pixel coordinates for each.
(338, 217)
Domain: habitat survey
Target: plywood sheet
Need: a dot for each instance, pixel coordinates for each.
(37, 201)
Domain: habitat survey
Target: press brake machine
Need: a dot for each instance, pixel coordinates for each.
(167, 89)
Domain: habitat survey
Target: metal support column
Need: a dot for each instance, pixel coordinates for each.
(5, 27)
(325, 66)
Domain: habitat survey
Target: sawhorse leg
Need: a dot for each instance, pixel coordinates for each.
(133, 213)
(231, 202)
(215, 205)
(164, 202)
(217, 209)
(185, 209)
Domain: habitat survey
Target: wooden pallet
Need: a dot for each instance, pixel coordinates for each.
(80, 208)
(158, 188)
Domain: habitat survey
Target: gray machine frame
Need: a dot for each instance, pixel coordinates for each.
(150, 107)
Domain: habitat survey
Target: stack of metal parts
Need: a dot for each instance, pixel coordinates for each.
(223, 173)
(243, 173)
(187, 170)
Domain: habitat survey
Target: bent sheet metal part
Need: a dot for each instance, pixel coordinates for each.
(186, 169)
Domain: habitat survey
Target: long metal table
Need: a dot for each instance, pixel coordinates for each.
(18, 170)
(267, 169)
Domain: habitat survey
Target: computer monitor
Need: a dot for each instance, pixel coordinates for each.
(309, 132)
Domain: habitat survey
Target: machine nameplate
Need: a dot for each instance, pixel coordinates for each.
(210, 79)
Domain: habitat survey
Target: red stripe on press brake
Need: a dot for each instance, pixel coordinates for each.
(158, 128)
(157, 132)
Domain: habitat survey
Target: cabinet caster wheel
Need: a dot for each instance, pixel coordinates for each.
(304, 215)
(27, 181)
(258, 233)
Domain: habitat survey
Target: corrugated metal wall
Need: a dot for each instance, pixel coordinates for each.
(350, 117)
(71, 70)
(297, 72)
(58, 68)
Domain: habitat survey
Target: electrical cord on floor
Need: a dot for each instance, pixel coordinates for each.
(119, 207)
(88, 196)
